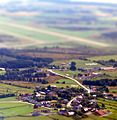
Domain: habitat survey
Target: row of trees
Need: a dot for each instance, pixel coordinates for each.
(6, 95)
(110, 62)
(30, 75)
(21, 61)
(101, 82)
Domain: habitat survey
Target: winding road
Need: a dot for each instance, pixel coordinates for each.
(69, 103)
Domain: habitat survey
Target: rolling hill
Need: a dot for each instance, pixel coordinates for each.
(41, 23)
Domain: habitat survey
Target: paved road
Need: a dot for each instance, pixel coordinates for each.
(88, 90)
(69, 103)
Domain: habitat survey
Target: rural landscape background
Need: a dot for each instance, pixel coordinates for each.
(58, 60)
(53, 23)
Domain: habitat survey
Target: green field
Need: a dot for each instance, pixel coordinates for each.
(20, 31)
(79, 63)
(109, 57)
(46, 36)
(11, 109)
(2, 72)
(67, 81)
(43, 28)
(8, 99)
(51, 117)
(6, 89)
(14, 110)
(107, 75)
(111, 74)
(113, 90)
(110, 105)
(68, 72)
(64, 85)
(83, 34)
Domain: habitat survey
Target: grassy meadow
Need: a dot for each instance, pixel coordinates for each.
(43, 36)
(106, 58)
(6, 89)
(23, 111)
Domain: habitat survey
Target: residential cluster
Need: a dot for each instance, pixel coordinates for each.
(59, 99)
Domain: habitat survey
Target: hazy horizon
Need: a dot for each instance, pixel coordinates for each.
(101, 1)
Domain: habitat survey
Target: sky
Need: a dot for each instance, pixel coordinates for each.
(102, 1)
(4, 1)
(106, 1)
